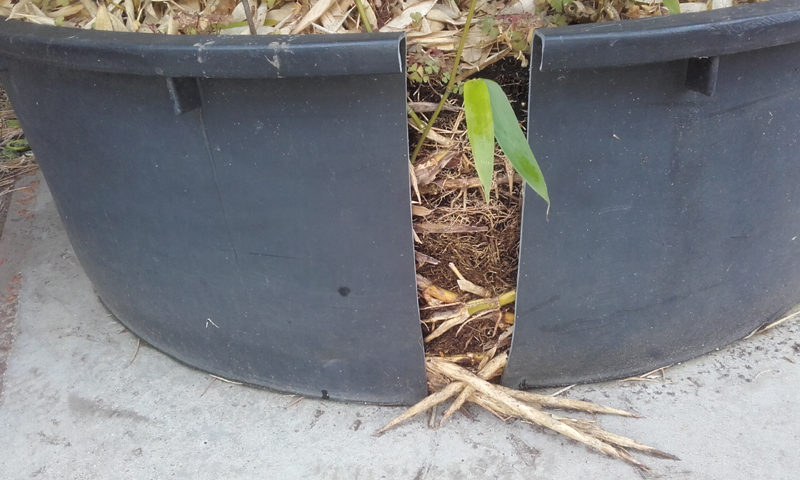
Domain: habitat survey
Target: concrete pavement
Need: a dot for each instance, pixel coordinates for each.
(74, 405)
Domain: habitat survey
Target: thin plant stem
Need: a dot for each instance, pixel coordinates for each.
(414, 117)
(485, 304)
(249, 15)
(363, 14)
(450, 83)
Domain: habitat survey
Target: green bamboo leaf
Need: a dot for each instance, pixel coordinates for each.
(480, 130)
(673, 6)
(513, 141)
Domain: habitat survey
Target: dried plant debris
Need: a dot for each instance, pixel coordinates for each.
(792, 315)
(15, 158)
(446, 379)
(466, 248)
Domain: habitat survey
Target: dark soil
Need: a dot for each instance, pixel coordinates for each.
(488, 259)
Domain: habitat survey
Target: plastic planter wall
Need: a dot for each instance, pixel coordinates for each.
(670, 148)
(240, 203)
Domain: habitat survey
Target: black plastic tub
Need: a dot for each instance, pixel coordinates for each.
(240, 203)
(670, 148)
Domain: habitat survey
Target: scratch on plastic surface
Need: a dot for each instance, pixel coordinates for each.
(616, 208)
(200, 47)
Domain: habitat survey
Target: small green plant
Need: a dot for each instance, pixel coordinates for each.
(416, 19)
(673, 6)
(489, 28)
(15, 148)
(558, 5)
(421, 72)
(490, 116)
(458, 87)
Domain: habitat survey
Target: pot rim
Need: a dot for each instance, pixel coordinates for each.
(671, 37)
(204, 56)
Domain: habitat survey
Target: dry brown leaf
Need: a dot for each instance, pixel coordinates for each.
(440, 14)
(26, 10)
(334, 18)
(517, 7)
(445, 40)
(90, 7)
(281, 14)
(427, 170)
(261, 15)
(103, 19)
(412, 174)
(225, 7)
(420, 211)
(452, 5)
(65, 12)
(193, 5)
(692, 7)
(444, 312)
(316, 11)
(422, 259)
(116, 22)
(403, 20)
(436, 26)
(476, 50)
(238, 14)
(433, 136)
(427, 287)
(458, 319)
(469, 287)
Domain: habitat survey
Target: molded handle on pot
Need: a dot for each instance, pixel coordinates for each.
(205, 56)
(673, 37)
(184, 93)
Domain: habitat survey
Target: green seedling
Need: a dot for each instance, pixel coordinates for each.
(458, 87)
(15, 148)
(489, 28)
(673, 6)
(416, 19)
(490, 117)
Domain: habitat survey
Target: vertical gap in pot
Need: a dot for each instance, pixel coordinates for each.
(467, 246)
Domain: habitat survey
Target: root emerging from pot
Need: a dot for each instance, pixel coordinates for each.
(446, 380)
